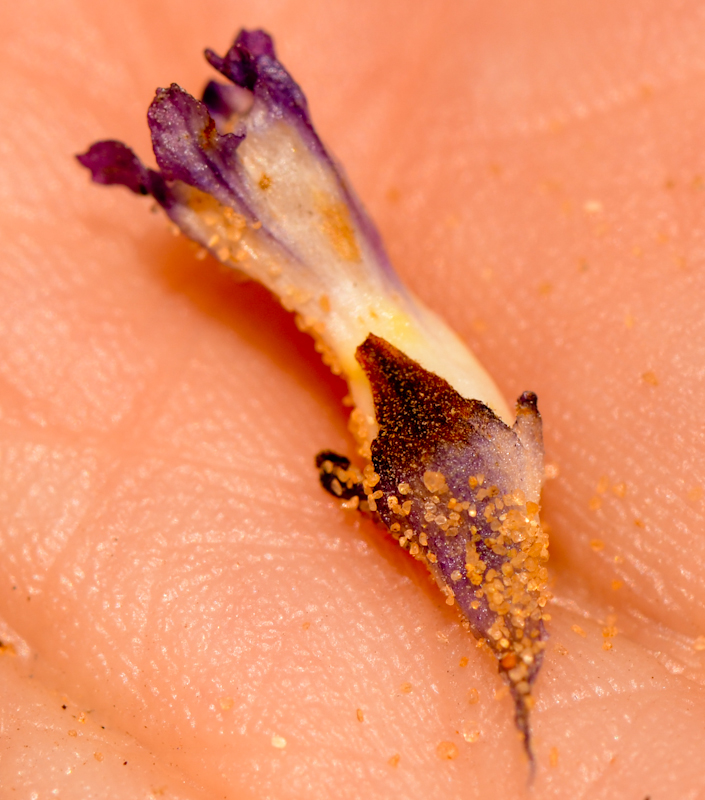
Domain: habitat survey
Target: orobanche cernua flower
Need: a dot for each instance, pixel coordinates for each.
(453, 475)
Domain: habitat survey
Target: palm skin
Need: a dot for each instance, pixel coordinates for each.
(173, 574)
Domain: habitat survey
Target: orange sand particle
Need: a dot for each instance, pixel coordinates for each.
(695, 494)
(98, 756)
(476, 480)
(394, 760)
(650, 378)
(603, 484)
(471, 735)
(553, 757)
(473, 697)
(360, 714)
(608, 632)
(447, 751)
(617, 585)
(561, 650)
(306, 626)
(464, 661)
(577, 629)
(7, 649)
(597, 545)
(595, 503)
(509, 661)
(699, 644)
(619, 489)
(435, 482)
(501, 693)
(551, 472)
(406, 688)
(73, 732)
(226, 703)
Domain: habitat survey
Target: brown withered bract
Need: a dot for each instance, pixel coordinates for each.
(459, 489)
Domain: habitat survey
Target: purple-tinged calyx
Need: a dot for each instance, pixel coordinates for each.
(244, 174)
(460, 490)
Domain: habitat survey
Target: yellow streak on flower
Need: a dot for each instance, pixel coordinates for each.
(336, 225)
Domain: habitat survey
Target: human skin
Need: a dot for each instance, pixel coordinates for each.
(171, 570)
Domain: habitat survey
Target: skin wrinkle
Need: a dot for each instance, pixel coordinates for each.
(470, 196)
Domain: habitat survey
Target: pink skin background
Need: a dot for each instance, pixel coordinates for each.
(176, 587)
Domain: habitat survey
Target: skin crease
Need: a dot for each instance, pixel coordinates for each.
(173, 574)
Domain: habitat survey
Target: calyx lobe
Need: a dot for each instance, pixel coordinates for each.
(459, 489)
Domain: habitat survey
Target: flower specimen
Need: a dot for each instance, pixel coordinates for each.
(446, 468)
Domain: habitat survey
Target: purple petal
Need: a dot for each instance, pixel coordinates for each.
(240, 62)
(112, 162)
(189, 148)
(226, 102)
(252, 64)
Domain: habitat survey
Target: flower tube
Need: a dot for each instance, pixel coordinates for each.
(244, 174)
(449, 472)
